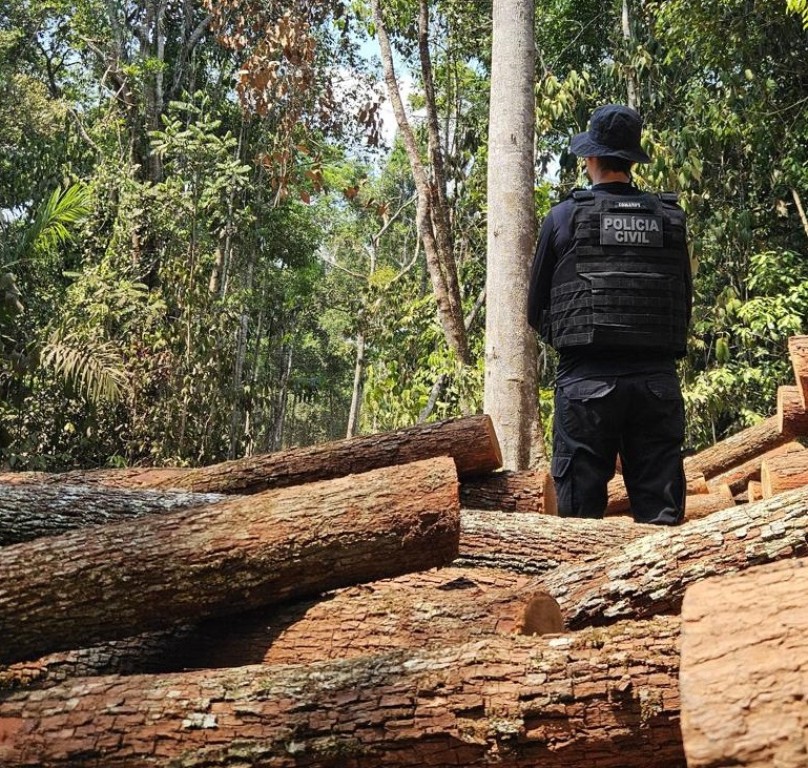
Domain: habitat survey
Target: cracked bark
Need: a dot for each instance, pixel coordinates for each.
(600, 697)
(83, 587)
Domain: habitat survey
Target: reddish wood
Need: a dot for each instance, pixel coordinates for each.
(30, 511)
(798, 352)
(432, 608)
(648, 576)
(111, 581)
(738, 448)
(791, 414)
(782, 473)
(619, 504)
(703, 504)
(754, 491)
(525, 491)
(744, 669)
(739, 476)
(606, 698)
(470, 441)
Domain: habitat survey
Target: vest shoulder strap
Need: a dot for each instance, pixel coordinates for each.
(669, 197)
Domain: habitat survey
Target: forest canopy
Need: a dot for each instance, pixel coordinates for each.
(209, 234)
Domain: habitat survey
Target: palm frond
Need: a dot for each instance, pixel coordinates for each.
(53, 223)
(95, 369)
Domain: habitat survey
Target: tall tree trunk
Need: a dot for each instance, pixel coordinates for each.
(440, 261)
(358, 386)
(510, 346)
(632, 84)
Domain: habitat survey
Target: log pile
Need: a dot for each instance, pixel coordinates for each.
(399, 600)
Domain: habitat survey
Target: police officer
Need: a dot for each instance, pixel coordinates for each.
(611, 290)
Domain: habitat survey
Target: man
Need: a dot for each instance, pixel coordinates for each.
(611, 290)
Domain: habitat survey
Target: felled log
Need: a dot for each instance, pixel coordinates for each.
(648, 576)
(782, 473)
(30, 511)
(754, 491)
(744, 669)
(507, 491)
(111, 581)
(527, 543)
(738, 477)
(798, 352)
(619, 503)
(738, 448)
(600, 697)
(129, 477)
(703, 504)
(441, 607)
(791, 414)
(470, 441)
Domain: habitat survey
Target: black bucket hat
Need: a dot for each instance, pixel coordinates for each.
(614, 131)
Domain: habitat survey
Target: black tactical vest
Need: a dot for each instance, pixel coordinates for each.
(621, 283)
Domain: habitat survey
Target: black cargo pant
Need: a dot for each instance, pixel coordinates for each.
(639, 416)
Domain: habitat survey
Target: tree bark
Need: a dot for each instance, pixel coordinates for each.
(619, 503)
(510, 344)
(744, 669)
(798, 352)
(470, 441)
(738, 477)
(740, 447)
(782, 473)
(30, 511)
(531, 490)
(537, 544)
(648, 577)
(600, 697)
(432, 608)
(440, 262)
(791, 414)
(112, 581)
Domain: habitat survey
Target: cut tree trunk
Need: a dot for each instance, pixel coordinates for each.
(129, 478)
(647, 577)
(30, 511)
(744, 669)
(470, 441)
(782, 473)
(791, 414)
(798, 352)
(619, 503)
(600, 697)
(754, 491)
(738, 477)
(441, 607)
(526, 491)
(738, 448)
(527, 543)
(703, 504)
(116, 580)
